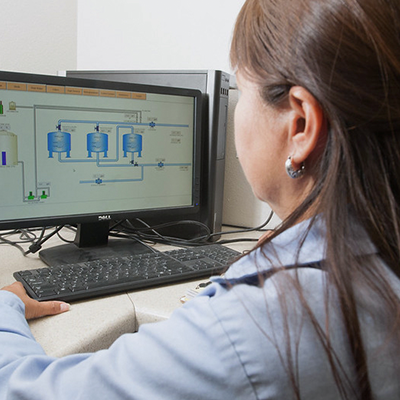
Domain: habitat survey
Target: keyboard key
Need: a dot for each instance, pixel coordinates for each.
(113, 275)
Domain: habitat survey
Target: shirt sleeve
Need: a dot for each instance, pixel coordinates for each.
(16, 337)
(188, 356)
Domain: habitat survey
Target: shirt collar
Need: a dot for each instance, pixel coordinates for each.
(285, 249)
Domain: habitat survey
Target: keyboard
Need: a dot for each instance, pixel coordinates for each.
(119, 274)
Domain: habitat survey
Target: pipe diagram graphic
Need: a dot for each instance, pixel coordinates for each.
(60, 142)
(97, 142)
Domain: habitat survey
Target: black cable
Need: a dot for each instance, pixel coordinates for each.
(169, 240)
(26, 235)
(166, 225)
(73, 229)
(228, 241)
(117, 224)
(175, 240)
(150, 228)
(134, 233)
(140, 232)
(125, 236)
(11, 243)
(245, 230)
(42, 234)
(36, 246)
(8, 233)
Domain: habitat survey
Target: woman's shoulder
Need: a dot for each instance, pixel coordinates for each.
(267, 326)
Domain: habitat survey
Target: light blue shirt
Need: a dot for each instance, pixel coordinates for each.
(224, 344)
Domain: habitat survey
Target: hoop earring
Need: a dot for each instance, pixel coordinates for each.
(294, 174)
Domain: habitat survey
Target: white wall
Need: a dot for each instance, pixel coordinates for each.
(170, 34)
(38, 36)
(47, 36)
(155, 34)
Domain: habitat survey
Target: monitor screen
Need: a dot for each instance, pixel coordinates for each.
(76, 151)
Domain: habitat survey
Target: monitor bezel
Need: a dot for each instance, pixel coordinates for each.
(154, 213)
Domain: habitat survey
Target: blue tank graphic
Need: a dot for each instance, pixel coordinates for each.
(59, 142)
(97, 142)
(132, 143)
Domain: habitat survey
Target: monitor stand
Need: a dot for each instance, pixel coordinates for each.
(91, 243)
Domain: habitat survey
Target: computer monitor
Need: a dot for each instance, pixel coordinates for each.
(85, 152)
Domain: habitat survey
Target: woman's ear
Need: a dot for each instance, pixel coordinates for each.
(306, 124)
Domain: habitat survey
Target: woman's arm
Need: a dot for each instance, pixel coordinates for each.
(187, 356)
(34, 308)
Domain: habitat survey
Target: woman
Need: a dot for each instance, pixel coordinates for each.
(313, 312)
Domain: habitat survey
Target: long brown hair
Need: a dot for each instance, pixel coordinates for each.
(347, 54)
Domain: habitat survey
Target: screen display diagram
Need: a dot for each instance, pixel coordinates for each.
(69, 150)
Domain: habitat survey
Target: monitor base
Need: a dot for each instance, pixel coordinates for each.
(71, 254)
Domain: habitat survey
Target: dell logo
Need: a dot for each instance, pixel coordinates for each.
(104, 217)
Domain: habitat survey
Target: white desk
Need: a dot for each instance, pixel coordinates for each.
(92, 325)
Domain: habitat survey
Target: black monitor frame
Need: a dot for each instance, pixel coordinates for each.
(93, 227)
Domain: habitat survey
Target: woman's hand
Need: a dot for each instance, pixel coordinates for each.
(34, 308)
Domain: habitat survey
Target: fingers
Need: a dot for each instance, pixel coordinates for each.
(34, 308)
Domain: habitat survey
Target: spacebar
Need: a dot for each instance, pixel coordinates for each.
(104, 284)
